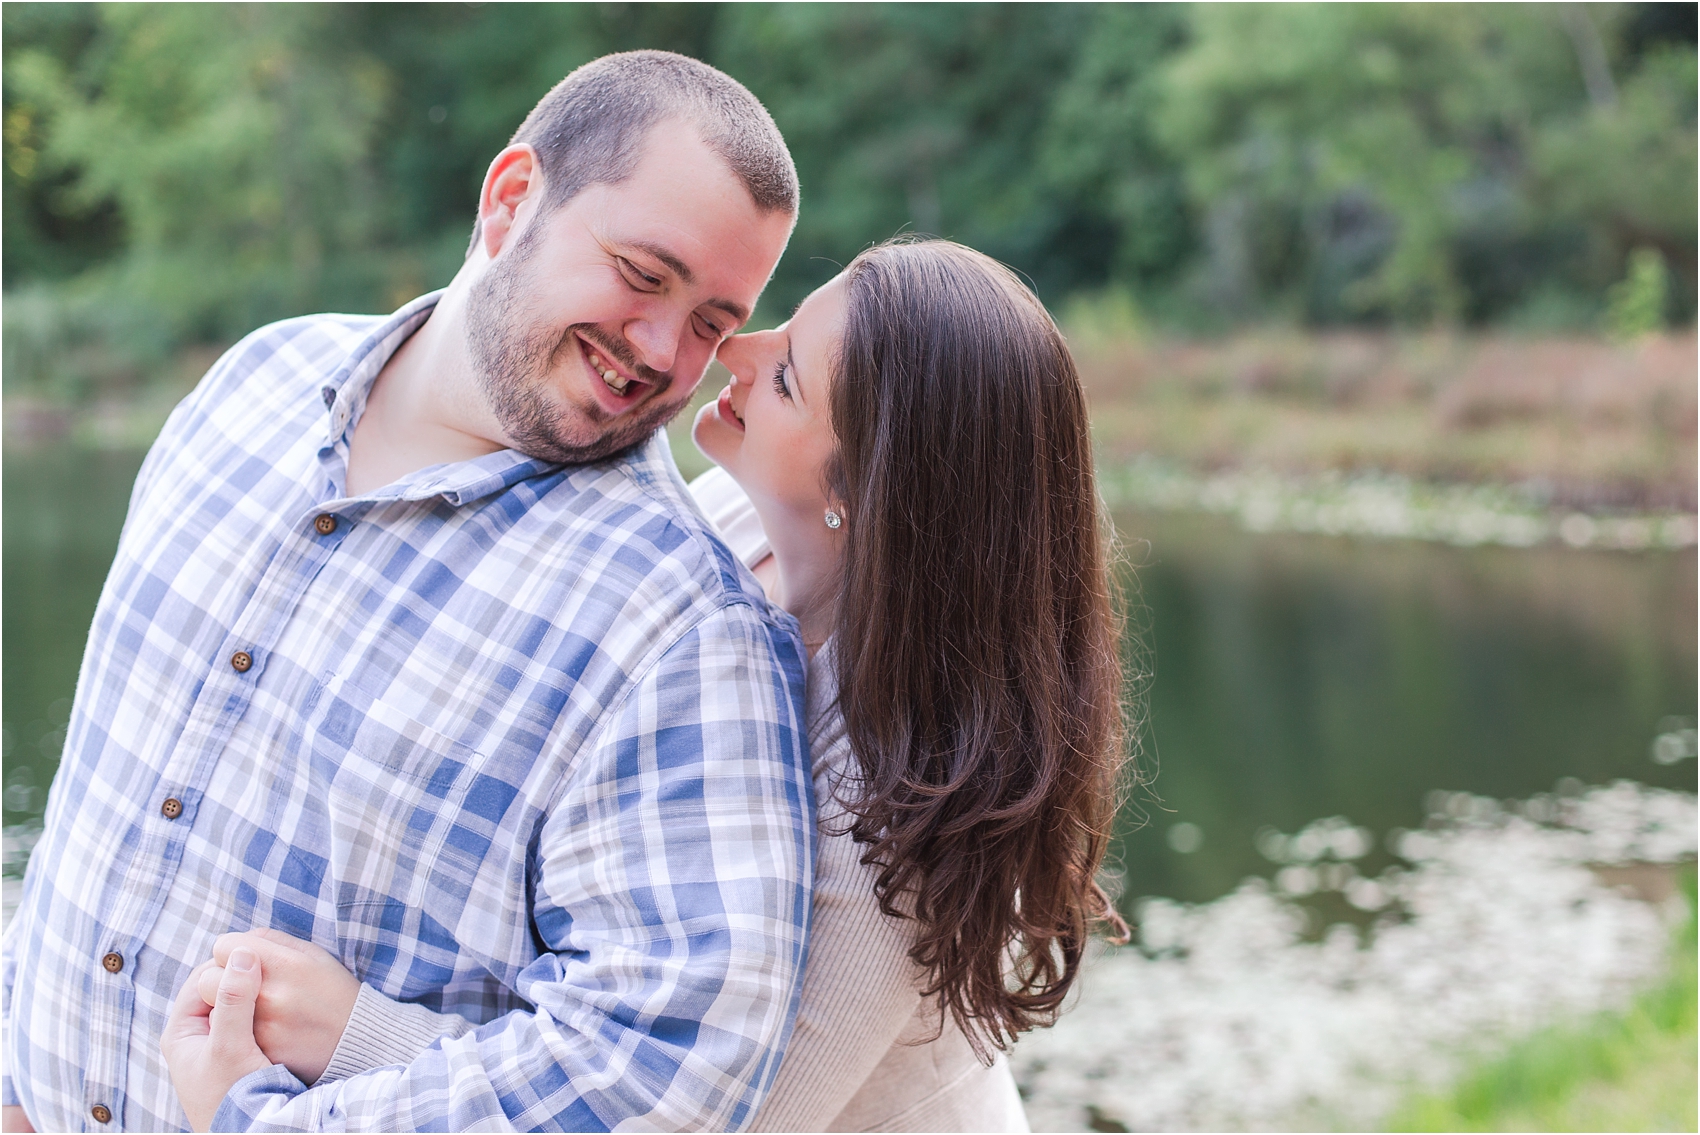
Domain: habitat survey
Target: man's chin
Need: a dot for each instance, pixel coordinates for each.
(590, 441)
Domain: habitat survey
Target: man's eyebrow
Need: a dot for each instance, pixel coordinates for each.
(662, 253)
(736, 310)
(682, 270)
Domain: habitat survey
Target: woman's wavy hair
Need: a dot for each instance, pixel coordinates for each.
(977, 645)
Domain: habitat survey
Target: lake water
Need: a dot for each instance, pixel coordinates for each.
(1301, 677)
(1295, 677)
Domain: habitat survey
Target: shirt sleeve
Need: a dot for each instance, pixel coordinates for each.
(726, 506)
(673, 898)
(859, 996)
(8, 971)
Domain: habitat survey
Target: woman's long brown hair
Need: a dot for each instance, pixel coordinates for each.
(976, 642)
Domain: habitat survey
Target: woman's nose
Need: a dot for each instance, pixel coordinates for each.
(742, 354)
(734, 355)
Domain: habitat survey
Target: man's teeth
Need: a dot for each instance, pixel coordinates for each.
(610, 376)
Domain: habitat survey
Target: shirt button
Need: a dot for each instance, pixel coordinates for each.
(240, 661)
(113, 963)
(325, 523)
(172, 808)
(101, 1113)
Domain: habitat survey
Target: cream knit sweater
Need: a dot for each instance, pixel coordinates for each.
(867, 1053)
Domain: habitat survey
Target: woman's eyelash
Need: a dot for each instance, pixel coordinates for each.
(779, 382)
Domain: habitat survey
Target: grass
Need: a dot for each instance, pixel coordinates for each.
(1628, 1071)
(1595, 426)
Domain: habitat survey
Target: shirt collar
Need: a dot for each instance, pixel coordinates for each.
(460, 482)
(345, 391)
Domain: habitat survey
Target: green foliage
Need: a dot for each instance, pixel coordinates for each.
(1103, 320)
(916, 117)
(1629, 167)
(1425, 161)
(1631, 1071)
(243, 180)
(180, 173)
(1636, 305)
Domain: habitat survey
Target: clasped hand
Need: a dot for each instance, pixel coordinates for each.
(264, 998)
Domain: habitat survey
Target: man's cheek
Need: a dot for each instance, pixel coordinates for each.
(688, 373)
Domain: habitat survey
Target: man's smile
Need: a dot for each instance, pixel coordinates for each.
(623, 387)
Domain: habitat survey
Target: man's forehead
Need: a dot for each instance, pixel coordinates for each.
(700, 224)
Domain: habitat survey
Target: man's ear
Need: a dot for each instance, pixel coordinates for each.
(514, 179)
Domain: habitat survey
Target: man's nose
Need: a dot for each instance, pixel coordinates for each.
(656, 341)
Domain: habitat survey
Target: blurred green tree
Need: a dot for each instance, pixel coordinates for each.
(1636, 304)
(1101, 152)
(177, 173)
(234, 141)
(925, 118)
(1425, 161)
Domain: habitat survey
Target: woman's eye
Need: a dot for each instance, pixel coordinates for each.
(779, 383)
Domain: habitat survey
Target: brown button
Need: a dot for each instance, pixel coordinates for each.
(240, 661)
(113, 963)
(325, 523)
(172, 808)
(101, 1113)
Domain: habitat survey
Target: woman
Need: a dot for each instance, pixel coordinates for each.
(906, 468)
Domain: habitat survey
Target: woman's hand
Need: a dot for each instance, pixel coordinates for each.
(210, 1046)
(304, 1002)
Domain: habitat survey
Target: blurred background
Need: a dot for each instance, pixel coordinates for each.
(1387, 314)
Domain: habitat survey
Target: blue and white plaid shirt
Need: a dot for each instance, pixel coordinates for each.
(514, 740)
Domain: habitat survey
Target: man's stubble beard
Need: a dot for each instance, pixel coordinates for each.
(513, 363)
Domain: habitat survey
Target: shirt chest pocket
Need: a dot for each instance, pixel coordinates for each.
(410, 814)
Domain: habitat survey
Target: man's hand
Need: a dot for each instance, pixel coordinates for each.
(12, 1118)
(210, 1047)
(304, 1003)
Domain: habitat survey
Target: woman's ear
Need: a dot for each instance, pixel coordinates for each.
(833, 487)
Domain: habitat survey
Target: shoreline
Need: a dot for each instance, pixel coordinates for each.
(1381, 506)
(1368, 504)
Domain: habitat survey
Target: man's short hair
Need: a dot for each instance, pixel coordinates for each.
(590, 127)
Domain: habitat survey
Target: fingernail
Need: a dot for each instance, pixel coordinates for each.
(242, 959)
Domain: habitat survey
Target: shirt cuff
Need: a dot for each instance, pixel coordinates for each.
(8, 1093)
(249, 1095)
(381, 1032)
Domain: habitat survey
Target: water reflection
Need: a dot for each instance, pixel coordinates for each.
(1240, 1014)
(1296, 676)
(1305, 676)
(63, 509)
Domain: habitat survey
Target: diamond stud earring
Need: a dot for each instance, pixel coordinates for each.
(833, 520)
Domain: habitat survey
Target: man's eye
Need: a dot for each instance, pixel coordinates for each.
(708, 330)
(636, 276)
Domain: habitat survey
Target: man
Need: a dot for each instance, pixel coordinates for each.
(414, 647)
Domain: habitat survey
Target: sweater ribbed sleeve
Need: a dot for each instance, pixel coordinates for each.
(381, 1032)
